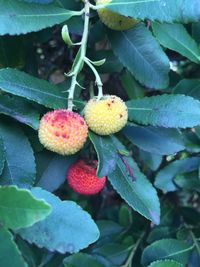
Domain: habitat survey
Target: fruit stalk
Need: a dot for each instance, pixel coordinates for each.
(81, 59)
(98, 79)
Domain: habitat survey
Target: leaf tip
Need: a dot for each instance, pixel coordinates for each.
(155, 217)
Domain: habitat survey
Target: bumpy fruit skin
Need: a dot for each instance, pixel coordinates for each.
(82, 178)
(63, 131)
(107, 115)
(114, 20)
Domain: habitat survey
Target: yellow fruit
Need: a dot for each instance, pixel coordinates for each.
(114, 20)
(63, 131)
(107, 115)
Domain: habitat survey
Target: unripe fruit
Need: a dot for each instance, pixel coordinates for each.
(114, 20)
(63, 131)
(82, 178)
(107, 115)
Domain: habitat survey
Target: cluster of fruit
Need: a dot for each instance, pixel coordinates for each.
(65, 132)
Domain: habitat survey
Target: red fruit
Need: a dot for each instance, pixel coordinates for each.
(82, 178)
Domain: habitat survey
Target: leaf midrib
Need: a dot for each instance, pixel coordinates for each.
(182, 44)
(162, 110)
(2, 155)
(38, 15)
(129, 3)
(130, 184)
(29, 88)
(29, 119)
(6, 161)
(155, 134)
(19, 208)
(140, 55)
(178, 252)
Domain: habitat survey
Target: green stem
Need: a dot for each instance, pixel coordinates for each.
(78, 13)
(130, 258)
(91, 90)
(80, 61)
(195, 242)
(98, 79)
(97, 6)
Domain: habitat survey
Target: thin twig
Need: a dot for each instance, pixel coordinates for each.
(130, 257)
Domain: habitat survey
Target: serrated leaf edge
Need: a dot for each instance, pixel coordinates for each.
(170, 261)
(85, 213)
(53, 105)
(156, 195)
(28, 192)
(158, 96)
(16, 247)
(4, 155)
(98, 157)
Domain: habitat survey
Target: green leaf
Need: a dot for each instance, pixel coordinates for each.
(109, 228)
(115, 253)
(192, 140)
(196, 31)
(98, 63)
(151, 160)
(19, 208)
(176, 37)
(125, 215)
(175, 111)
(81, 259)
(39, 1)
(159, 10)
(21, 84)
(164, 178)
(166, 263)
(155, 140)
(30, 254)
(189, 181)
(70, 4)
(133, 89)
(76, 59)
(160, 232)
(76, 228)
(189, 87)
(55, 173)
(139, 51)
(10, 254)
(106, 153)
(20, 162)
(139, 194)
(111, 64)
(65, 35)
(19, 18)
(19, 110)
(168, 213)
(2, 155)
(167, 249)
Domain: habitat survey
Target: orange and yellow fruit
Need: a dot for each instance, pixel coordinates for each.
(63, 131)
